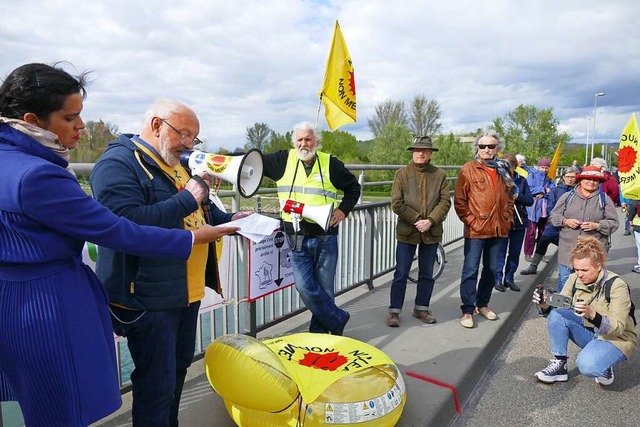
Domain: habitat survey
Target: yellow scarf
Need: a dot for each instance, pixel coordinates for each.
(198, 259)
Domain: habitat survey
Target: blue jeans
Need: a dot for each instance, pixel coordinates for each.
(474, 293)
(514, 243)
(162, 345)
(564, 272)
(314, 271)
(404, 259)
(596, 355)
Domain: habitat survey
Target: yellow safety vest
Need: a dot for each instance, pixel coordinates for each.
(310, 190)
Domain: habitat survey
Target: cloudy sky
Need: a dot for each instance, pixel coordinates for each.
(241, 62)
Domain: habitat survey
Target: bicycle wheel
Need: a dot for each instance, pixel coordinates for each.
(438, 266)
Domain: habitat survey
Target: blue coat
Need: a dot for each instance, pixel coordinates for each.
(57, 354)
(141, 192)
(523, 200)
(538, 181)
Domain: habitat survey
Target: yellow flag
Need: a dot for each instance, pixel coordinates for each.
(338, 92)
(629, 160)
(553, 167)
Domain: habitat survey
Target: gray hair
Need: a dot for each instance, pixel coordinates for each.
(305, 126)
(163, 108)
(599, 162)
(520, 158)
(570, 169)
(493, 134)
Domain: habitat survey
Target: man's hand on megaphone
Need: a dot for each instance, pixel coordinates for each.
(208, 233)
(336, 217)
(198, 188)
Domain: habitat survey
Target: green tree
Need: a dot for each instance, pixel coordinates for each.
(341, 144)
(390, 148)
(388, 113)
(93, 141)
(451, 151)
(258, 136)
(531, 131)
(278, 142)
(424, 116)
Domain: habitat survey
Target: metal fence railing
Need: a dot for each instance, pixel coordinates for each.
(366, 245)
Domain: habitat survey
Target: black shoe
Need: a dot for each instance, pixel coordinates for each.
(512, 286)
(499, 287)
(556, 371)
(341, 330)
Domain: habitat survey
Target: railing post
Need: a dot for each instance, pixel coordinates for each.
(369, 234)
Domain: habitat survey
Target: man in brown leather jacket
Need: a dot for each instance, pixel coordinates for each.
(484, 202)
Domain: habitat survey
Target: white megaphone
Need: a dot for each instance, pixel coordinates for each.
(243, 171)
(318, 214)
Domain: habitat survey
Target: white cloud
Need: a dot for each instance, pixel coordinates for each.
(237, 63)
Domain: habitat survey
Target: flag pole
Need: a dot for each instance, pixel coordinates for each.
(318, 112)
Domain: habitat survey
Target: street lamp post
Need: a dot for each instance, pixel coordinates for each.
(595, 108)
(586, 150)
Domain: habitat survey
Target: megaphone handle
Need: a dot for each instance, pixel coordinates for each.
(203, 183)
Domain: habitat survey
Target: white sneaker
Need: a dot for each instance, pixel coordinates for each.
(606, 378)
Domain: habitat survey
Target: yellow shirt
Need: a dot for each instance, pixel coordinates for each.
(196, 264)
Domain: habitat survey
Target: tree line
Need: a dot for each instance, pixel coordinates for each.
(526, 130)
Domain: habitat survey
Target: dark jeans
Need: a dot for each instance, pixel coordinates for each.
(512, 259)
(162, 345)
(474, 293)
(543, 244)
(404, 259)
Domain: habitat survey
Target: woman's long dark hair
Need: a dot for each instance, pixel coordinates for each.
(38, 88)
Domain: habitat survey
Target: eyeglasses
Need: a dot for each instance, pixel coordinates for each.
(195, 141)
(490, 146)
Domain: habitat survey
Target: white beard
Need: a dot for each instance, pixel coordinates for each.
(306, 154)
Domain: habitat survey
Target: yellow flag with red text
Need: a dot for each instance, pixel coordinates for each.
(629, 160)
(338, 93)
(553, 167)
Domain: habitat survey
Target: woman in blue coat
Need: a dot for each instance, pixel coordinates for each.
(509, 262)
(57, 355)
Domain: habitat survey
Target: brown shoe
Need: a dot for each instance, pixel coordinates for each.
(393, 320)
(487, 313)
(424, 315)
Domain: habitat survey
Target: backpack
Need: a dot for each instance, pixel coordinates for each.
(602, 202)
(607, 296)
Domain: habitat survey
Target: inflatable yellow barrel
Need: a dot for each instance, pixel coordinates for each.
(305, 380)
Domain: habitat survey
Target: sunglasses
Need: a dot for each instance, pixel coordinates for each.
(490, 146)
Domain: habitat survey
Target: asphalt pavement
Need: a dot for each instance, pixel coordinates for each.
(453, 375)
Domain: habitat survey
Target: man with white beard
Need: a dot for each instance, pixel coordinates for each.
(311, 177)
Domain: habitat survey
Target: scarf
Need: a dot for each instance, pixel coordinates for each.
(43, 136)
(502, 166)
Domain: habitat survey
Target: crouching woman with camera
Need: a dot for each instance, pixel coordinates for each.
(599, 318)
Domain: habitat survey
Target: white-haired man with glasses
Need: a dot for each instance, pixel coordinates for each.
(484, 198)
(155, 301)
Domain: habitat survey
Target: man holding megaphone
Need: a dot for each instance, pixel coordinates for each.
(155, 301)
(308, 181)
